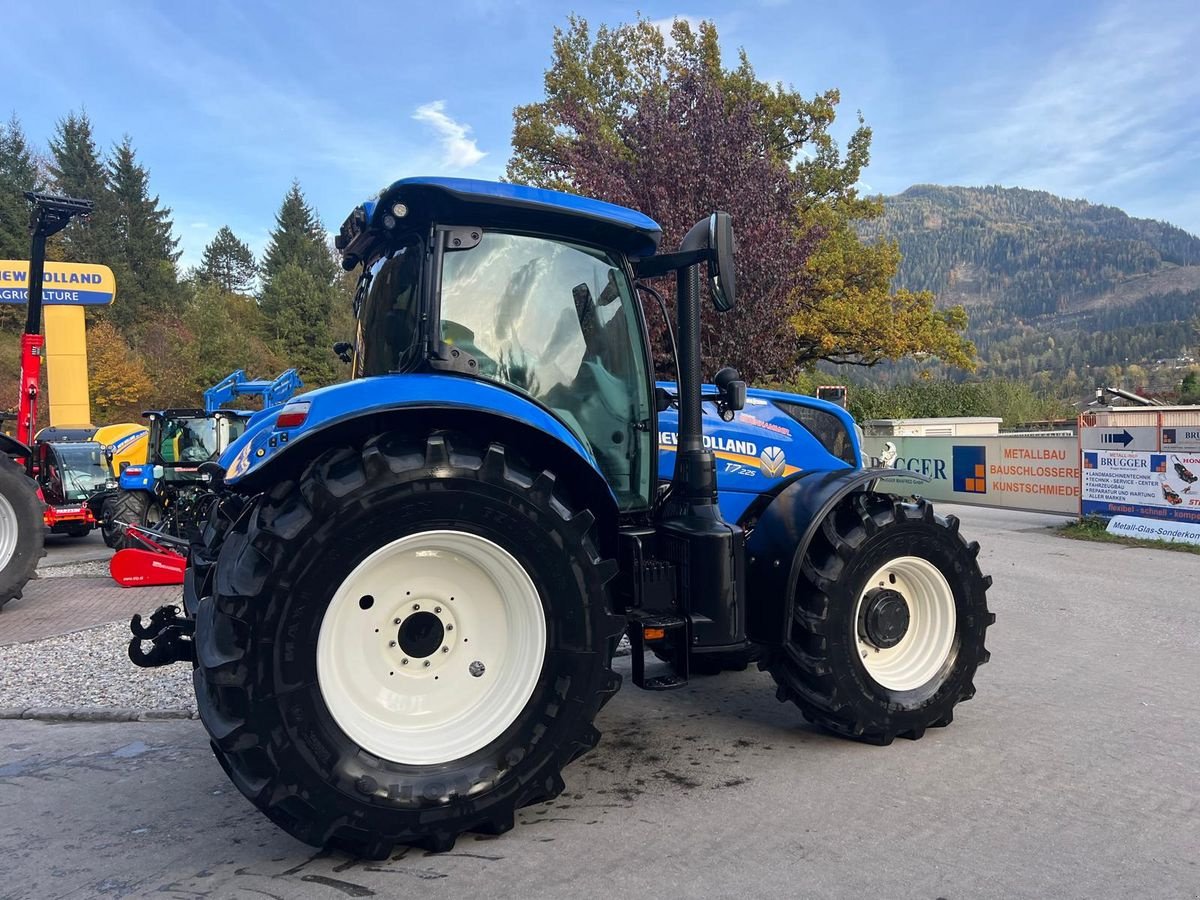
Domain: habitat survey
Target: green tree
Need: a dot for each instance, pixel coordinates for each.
(224, 334)
(146, 251)
(18, 173)
(228, 263)
(298, 239)
(299, 289)
(663, 126)
(77, 170)
(1189, 390)
(297, 307)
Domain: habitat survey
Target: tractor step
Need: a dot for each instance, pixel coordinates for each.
(659, 628)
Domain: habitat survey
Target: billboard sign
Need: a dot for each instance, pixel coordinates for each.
(1151, 485)
(1181, 438)
(1018, 472)
(63, 283)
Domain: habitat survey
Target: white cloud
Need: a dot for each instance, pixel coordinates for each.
(461, 150)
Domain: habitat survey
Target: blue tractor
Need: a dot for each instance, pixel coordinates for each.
(404, 609)
(168, 494)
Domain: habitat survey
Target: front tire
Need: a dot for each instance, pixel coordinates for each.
(453, 556)
(889, 621)
(22, 530)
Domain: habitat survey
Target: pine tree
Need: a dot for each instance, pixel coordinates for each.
(18, 173)
(299, 239)
(228, 263)
(146, 251)
(77, 170)
(298, 310)
(299, 289)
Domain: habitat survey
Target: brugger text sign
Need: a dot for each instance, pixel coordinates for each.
(1036, 473)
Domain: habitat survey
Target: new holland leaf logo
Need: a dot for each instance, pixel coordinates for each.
(773, 462)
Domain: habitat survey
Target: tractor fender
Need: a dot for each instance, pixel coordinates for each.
(355, 410)
(780, 532)
(10, 446)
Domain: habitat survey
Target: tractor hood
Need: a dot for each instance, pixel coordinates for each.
(776, 437)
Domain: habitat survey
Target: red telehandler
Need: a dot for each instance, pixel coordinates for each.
(22, 529)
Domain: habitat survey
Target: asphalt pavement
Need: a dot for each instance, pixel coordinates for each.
(1073, 773)
(62, 550)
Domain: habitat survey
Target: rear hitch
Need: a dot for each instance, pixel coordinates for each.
(171, 636)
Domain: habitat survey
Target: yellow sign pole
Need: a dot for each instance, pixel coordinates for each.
(66, 366)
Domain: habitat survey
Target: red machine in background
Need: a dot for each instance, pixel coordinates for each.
(153, 563)
(22, 528)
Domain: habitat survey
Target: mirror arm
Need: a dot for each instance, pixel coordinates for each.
(665, 263)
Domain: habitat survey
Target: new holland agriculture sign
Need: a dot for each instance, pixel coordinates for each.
(65, 284)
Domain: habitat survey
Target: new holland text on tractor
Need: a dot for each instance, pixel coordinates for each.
(403, 611)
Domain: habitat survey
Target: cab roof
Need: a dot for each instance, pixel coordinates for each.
(467, 201)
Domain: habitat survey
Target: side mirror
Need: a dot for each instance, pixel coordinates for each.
(722, 270)
(712, 240)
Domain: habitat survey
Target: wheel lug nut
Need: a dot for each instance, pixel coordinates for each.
(425, 664)
(396, 621)
(416, 606)
(391, 643)
(437, 609)
(445, 649)
(404, 662)
(449, 627)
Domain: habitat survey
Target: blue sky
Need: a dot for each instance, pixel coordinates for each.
(227, 102)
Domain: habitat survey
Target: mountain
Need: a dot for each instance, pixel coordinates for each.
(1054, 287)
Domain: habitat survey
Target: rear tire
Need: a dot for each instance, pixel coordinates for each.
(889, 621)
(297, 646)
(22, 530)
(131, 508)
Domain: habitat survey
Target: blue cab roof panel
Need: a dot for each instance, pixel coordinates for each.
(467, 201)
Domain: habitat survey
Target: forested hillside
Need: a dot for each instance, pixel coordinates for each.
(1061, 292)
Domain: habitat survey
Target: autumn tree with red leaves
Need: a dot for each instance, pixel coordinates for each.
(660, 125)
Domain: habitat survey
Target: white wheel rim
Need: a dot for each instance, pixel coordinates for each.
(8, 532)
(433, 708)
(923, 650)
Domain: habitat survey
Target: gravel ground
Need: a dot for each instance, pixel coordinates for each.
(97, 568)
(89, 668)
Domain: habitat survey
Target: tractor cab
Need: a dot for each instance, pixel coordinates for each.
(512, 287)
(71, 475)
(71, 470)
(182, 439)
